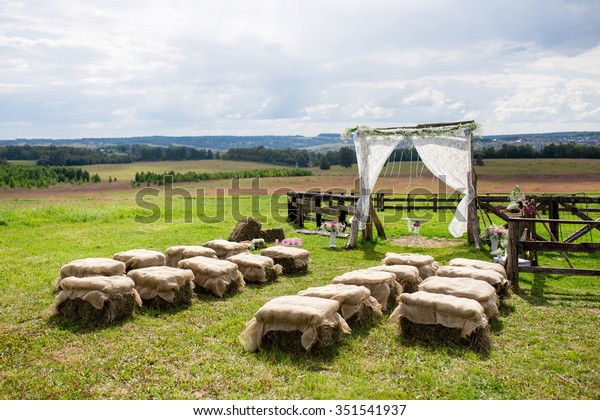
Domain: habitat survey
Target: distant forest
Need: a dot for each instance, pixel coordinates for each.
(28, 176)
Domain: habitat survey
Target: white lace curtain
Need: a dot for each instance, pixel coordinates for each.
(447, 156)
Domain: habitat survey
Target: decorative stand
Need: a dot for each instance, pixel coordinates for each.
(332, 236)
(494, 242)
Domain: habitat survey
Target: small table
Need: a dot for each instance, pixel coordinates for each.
(413, 225)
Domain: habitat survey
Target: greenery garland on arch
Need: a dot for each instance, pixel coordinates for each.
(425, 130)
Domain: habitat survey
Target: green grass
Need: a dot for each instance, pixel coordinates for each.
(545, 345)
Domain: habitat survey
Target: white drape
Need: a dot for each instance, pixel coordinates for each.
(448, 157)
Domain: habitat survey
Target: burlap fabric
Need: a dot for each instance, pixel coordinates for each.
(217, 276)
(140, 258)
(426, 264)
(464, 287)
(256, 268)
(163, 282)
(489, 276)
(291, 259)
(225, 249)
(350, 297)
(178, 253)
(95, 289)
(89, 267)
(406, 275)
(447, 310)
(484, 265)
(293, 313)
(382, 285)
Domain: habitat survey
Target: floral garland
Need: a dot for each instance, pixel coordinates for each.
(257, 243)
(411, 132)
(333, 226)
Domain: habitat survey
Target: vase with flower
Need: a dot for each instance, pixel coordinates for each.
(333, 227)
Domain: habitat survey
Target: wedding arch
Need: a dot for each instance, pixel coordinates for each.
(444, 148)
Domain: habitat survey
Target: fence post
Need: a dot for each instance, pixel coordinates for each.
(317, 207)
(553, 213)
(512, 253)
(435, 203)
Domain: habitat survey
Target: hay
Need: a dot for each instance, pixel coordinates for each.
(499, 283)
(114, 309)
(181, 297)
(292, 260)
(485, 265)
(256, 268)
(164, 287)
(140, 258)
(426, 264)
(291, 341)
(407, 276)
(217, 276)
(273, 234)
(382, 285)
(245, 230)
(352, 299)
(89, 267)
(479, 339)
(181, 252)
(225, 249)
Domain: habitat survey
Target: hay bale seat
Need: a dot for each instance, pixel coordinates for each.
(99, 300)
(217, 276)
(464, 287)
(493, 278)
(426, 264)
(316, 319)
(140, 258)
(382, 285)
(291, 259)
(407, 276)
(256, 268)
(357, 306)
(225, 249)
(246, 229)
(181, 252)
(484, 265)
(450, 319)
(164, 287)
(91, 267)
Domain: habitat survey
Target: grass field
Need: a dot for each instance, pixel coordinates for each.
(545, 344)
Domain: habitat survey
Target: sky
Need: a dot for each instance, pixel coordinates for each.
(121, 68)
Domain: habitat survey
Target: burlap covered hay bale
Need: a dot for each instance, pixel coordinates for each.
(422, 309)
(216, 276)
(245, 230)
(90, 267)
(140, 258)
(407, 276)
(492, 277)
(291, 259)
(484, 265)
(164, 287)
(181, 252)
(99, 300)
(426, 264)
(382, 285)
(225, 249)
(464, 287)
(317, 319)
(356, 303)
(256, 268)
(272, 234)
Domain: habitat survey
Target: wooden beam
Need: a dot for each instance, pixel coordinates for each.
(591, 247)
(580, 232)
(565, 271)
(512, 253)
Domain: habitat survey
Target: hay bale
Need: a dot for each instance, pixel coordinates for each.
(256, 268)
(478, 340)
(314, 318)
(272, 234)
(90, 267)
(99, 300)
(492, 277)
(426, 264)
(484, 265)
(140, 258)
(181, 252)
(356, 303)
(225, 249)
(292, 260)
(407, 276)
(245, 230)
(216, 276)
(464, 287)
(447, 310)
(164, 287)
(382, 285)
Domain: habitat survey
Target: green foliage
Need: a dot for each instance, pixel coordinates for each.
(293, 157)
(159, 178)
(324, 164)
(27, 176)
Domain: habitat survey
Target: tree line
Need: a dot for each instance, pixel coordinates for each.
(549, 151)
(153, 178)
(28, 176)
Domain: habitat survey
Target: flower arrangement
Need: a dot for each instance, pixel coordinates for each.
(494, 232)
(333, 226)
(258, 243)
